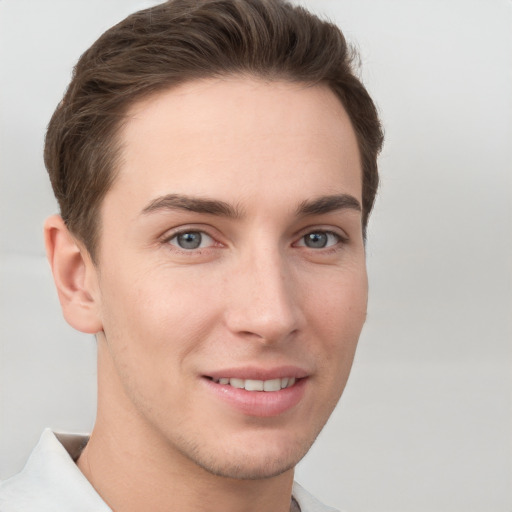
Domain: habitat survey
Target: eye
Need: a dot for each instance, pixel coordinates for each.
(319, 239)
(190, 240)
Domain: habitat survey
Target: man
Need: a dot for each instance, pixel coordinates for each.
(215, 167)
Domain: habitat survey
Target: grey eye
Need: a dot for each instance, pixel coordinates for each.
(315, 240)
(189, 240)
(319, 239)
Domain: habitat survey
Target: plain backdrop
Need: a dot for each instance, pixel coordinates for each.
(425, 422)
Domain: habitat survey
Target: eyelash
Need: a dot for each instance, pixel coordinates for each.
(339, 242)
(168, 240)
(339, 239)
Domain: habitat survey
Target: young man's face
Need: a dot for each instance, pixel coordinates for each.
(231, 248)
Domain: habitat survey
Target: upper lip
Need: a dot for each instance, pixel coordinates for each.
(256, 373)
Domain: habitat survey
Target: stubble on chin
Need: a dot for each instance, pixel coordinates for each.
(245, 464)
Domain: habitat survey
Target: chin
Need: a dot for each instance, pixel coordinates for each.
(267, 458)
(250, 471)
(249, 468)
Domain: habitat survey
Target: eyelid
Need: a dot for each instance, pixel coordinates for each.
(207, 230)
(204, 239)
(185, 228)
(337, 240)
(337, 232)
(190, 228)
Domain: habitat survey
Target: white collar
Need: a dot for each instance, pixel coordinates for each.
(51, 480)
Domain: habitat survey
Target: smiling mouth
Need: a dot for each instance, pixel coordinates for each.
(256, 385)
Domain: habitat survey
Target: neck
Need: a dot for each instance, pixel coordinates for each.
(134, 468)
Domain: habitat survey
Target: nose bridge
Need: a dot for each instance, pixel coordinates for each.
(264, 303)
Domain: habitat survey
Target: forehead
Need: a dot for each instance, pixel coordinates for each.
(239, 136)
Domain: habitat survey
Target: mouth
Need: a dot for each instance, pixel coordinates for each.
(259, 392)
(269, 386)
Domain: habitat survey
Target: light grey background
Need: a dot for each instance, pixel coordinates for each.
(425, 422)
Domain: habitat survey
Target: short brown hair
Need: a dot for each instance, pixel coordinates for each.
(179, 41)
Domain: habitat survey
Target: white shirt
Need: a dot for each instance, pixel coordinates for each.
(52, 482)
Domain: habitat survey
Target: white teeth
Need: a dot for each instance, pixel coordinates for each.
(253, 385)
(237, 383)
(258, 385)
(271, 385)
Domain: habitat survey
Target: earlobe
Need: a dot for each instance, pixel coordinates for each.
(75, 277)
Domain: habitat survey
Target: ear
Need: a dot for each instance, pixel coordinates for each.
(75, 276)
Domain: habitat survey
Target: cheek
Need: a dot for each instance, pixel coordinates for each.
(150, 311)
(339, 301)
(152, 325)
(337, 312)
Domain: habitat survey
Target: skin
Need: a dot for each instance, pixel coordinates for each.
(252, 295)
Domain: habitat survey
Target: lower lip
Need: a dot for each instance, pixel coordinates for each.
(259, 403)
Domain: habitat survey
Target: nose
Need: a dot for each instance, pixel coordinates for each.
(264, 302)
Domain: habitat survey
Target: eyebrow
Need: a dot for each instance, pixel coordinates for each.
(318, 206)
(193, 204)
(328, 204)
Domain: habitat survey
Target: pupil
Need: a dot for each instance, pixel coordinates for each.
(190, 240)
(316, 240)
